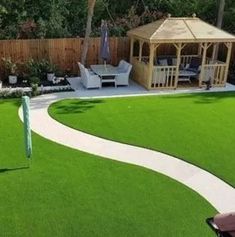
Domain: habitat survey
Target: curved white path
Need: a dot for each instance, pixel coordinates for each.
(217, 192)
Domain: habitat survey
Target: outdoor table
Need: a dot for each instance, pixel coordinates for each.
(185, 75)
(107, 72)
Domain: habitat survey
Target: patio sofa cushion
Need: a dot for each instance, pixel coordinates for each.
(166, 60)
(195, 63)
(163, 62)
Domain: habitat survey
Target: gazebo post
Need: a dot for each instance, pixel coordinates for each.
(178, 49)
(215, 51)
(140, 49)
(204, 47)
(199, 49)
(229, 52)
(131, 49)
(150, 69)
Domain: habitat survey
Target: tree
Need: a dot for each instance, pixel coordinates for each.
(220, 14)
(90, 13)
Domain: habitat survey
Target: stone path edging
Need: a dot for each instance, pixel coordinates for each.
(217, 192)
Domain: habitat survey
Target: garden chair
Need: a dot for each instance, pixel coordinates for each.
(88, 78)
(223, 224)
(124, 69)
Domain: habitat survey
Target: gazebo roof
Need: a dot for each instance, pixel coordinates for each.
(175, 30)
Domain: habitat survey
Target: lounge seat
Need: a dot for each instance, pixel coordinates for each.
(123, 69)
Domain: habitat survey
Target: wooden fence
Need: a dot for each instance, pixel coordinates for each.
(65, 53)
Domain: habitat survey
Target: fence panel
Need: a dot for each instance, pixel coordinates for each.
(67, 52)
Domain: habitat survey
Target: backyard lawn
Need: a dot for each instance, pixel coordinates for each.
(69, 193)
(198, 128)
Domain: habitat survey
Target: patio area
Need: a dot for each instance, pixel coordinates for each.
(134, 89)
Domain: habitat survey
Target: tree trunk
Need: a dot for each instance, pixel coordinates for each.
(220, 13)
(91, 6)
(219, 23)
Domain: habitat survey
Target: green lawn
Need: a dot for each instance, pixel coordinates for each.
(199, 128)
(69, 193)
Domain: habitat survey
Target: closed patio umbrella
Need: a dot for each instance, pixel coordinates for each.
(104, 42)
(27, 130)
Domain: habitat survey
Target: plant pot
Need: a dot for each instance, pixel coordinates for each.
(50, 76)
(12, 79)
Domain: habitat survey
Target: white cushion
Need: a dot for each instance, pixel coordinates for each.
(163, 62)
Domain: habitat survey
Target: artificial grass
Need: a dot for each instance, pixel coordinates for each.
(198, 128)
(69, 193)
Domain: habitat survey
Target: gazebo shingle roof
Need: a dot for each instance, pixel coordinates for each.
(171, 30)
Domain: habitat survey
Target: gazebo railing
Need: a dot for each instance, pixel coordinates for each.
(140, 71)
(163, 77)
(215, 73)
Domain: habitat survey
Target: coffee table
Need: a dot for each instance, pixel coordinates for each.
(185, 75)
(107, 72)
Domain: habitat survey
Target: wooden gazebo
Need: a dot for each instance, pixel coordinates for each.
(179, 32)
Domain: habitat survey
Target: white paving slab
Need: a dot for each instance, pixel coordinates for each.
(217, 192)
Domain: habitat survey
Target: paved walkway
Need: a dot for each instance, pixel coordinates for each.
(217, 192)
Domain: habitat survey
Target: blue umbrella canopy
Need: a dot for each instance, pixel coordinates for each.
(104, 44)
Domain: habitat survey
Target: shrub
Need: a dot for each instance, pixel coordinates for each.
(40, 68)
(33, 80)
(34, 68)
(10, 66)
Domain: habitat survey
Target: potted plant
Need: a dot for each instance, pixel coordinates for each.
(10, 68)
(51, 69)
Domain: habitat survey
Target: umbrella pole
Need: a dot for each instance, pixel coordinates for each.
(105, 65)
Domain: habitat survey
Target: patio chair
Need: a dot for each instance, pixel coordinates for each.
(124, 70)
(194, 65)
(222, 224)
(88, 78)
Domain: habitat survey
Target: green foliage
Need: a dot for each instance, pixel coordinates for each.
(35, 68)
(8, 93)
(34, 87)
(34, 80)
(39, 68)
(10, 66)
(63, 18)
